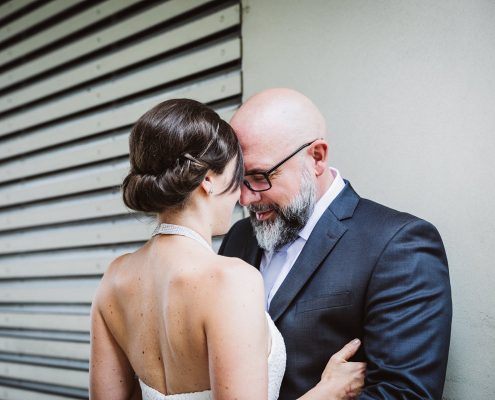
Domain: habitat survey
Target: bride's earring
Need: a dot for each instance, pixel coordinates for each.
(207, 185)
(210, 186)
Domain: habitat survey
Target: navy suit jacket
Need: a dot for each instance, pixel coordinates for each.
(370, 272)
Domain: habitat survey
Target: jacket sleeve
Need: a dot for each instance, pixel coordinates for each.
(408, 317)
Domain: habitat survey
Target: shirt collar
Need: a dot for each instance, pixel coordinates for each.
(323, 203)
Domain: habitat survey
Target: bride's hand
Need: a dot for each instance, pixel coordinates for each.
(342, 379)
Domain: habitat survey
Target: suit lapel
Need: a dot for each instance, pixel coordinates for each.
(322, 240)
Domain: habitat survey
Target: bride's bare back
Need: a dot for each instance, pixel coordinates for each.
(178, 313)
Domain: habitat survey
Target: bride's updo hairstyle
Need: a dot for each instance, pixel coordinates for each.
(172, 146)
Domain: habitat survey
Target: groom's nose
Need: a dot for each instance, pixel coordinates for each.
(248, 196)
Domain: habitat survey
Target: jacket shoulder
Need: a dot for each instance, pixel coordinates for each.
(373, 215)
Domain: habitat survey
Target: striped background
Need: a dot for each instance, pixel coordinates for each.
(74, 76)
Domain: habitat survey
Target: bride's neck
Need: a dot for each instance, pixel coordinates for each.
(191, 217)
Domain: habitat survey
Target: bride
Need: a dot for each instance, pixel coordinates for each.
(173, 320)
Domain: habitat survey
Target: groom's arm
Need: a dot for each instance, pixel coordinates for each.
(408, 317)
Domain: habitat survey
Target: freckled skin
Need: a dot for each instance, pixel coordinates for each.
(160, 313)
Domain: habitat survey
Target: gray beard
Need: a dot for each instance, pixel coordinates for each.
(289, 220)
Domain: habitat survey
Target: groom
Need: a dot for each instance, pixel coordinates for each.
(337, 266)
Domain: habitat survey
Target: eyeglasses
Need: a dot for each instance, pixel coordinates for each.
(260, 181)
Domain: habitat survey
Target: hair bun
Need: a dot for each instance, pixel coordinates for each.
(154, 193)
(171, 148)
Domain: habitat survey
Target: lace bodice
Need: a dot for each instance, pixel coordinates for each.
(276, 370)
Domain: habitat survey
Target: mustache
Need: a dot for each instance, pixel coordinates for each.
(254, 208)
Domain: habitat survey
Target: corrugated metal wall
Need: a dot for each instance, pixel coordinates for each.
(74, 76)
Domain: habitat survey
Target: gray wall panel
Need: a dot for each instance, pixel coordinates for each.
(65, 116)
(408, 92)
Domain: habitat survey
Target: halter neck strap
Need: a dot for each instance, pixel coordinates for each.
(171, 229)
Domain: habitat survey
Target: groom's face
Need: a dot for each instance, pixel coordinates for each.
(279, 213)
(272, 128)
(285, 181)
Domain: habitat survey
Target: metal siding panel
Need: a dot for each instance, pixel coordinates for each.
(48, 10)
(84, 179)
(204, 91)
(56, 376)
(68, 156)
(74, 323)
(129, 55)
(49, 348)
(62, 220)
(75, 209)
(121, 87)
(8, 393)
(12, 6)
(49, 291)
(64, 28)
(98, 40)
(108, 232)
(90, 261)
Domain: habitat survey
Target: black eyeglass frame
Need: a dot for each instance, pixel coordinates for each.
(266, 174)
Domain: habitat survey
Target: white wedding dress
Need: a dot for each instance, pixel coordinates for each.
(276, 358)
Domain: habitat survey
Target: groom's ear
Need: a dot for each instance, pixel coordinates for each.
(319, 153)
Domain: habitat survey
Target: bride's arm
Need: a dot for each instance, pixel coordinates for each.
(110, 374)
(237, 334)
(341, 378)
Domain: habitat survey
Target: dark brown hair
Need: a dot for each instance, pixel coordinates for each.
(172, 146)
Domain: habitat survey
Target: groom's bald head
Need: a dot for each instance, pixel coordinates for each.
(276, 118)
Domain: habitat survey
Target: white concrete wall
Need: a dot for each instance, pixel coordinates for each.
(408, 89)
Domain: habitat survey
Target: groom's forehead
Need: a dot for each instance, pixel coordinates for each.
(263, 150)
(261, 160)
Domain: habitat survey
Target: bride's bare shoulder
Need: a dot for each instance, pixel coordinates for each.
(228, 280)
(231, 289)
(113, 277)
(232, 270)
(116, 268)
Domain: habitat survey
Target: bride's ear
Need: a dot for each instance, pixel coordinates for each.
(207, 185)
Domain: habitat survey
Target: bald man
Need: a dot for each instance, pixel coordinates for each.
(337, 266)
